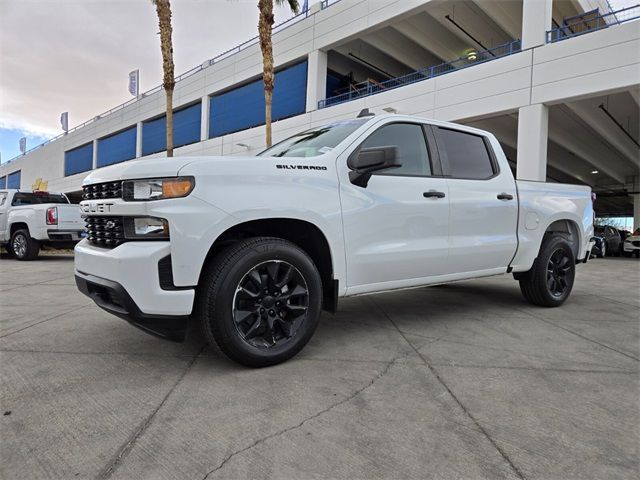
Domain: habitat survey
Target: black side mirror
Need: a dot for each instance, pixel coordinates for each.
(365, 161)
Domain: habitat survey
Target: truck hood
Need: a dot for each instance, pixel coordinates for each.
(145, 168)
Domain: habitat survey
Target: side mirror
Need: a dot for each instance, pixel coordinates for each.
(365, 161)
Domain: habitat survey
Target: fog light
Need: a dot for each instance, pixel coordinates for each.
(146, 228)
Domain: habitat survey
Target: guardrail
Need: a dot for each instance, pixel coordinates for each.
(370, 87)
(226, 54)
(591, 22)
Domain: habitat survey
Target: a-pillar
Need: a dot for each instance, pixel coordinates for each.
(536, 20)
(316, 79)
(533, 132)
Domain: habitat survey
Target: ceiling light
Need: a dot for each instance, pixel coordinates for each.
(472, 55)
(594, 172)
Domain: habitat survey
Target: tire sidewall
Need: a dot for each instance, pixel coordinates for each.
(221, 318)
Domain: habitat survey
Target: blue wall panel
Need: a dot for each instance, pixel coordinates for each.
(78, 160)
(186, 130)
(13, 180)
(243, 107)
(3, 182)
(117, 148)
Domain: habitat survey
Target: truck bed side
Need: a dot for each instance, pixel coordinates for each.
(562, 207)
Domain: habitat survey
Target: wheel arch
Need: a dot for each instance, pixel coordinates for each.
(570, 229)
(306, 235)
(18, 226)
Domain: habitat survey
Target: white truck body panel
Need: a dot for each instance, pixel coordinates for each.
(382, 237)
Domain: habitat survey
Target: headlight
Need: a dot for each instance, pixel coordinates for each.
(157, 188)
(141, 228)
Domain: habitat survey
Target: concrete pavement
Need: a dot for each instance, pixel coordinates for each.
(459, 381)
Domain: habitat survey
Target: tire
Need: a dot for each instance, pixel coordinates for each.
(260, 301)
(603, 251)
(22, 246)
(637, 253)
(550, 280)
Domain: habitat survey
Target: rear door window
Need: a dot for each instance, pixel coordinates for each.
(465, 154)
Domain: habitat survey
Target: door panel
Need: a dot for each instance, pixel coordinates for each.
(483, 202)
(483, 228)
(392, 232)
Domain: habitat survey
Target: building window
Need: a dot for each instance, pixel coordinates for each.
(13, 180)
(186, 130)
(3, 182)
(243, 107)
(78, 159)
(117, 148)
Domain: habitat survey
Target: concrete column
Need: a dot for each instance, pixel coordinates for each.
(204, 119)
(95, 154)
(636, 211)
(533, 130)
(316, 79)
(536, 20)
(138, 139)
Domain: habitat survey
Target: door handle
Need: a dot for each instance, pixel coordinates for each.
(433, 194)
(505, 196)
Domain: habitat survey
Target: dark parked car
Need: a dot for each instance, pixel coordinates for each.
(599, 248)
(612, 239)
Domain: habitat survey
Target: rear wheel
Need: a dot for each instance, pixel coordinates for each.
(550, 280)
(22, 246)
(260, 301)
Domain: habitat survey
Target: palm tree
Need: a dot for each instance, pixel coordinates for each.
(265, 26)
(163, 9)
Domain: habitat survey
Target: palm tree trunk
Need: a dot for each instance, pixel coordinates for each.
(163, 9)
(265, 26)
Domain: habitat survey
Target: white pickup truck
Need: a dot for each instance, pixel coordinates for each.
(29, 220)
(255, 247)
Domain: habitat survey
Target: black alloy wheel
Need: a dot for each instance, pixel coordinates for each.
(558, 269)
(259, 300)
(270, 304)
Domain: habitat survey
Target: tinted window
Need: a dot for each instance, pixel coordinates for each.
(23, 198)
(412, 148)
(466, 153)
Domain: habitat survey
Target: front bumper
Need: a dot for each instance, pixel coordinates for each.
(131, 273)
(112, 297)
(630, 247)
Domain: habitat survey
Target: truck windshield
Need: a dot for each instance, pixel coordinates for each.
(316, 141)
(36, 198)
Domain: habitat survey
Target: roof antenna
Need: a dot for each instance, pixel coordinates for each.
(365, 113)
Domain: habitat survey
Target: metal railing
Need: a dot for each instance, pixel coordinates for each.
(370, 87)
(591, 22)
(238, 48)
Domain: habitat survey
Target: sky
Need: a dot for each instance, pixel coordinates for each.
(75, 55)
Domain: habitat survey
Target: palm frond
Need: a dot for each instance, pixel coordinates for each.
(293, 5)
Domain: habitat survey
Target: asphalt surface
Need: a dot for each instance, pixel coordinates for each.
(460, 381)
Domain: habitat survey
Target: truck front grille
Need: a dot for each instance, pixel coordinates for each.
(102, 190)
(105, 231)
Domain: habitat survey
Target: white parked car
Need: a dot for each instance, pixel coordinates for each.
(29, 220)
(256, 247)
(631, 245)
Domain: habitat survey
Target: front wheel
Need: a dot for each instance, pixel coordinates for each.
(550, 280)
(260, 301)
(22, 246)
